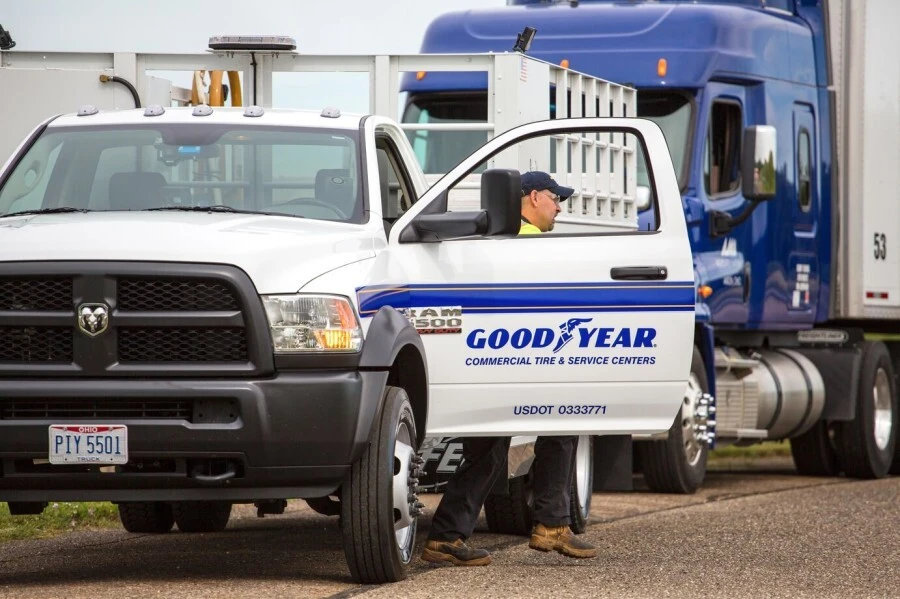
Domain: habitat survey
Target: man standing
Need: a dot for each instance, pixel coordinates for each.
(484, 458)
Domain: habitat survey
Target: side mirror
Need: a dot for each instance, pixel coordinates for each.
(501, 203)
(643, 197)
(449, 225)
(501, 198)
(435, 223)
(760, 155)
(758, 177)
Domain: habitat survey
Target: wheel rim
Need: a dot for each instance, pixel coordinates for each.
(884, 417)
(582, 472)
(403, 490)
(692, 421)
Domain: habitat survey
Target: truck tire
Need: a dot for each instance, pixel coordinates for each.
(201, 516)
(678, 463)
(814, 453)
(895, 466)
(865, 445)
(379, 506)
(154, 517)
(513, 514)
(582, 484)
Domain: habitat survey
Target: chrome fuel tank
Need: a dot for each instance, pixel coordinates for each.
(774, 394)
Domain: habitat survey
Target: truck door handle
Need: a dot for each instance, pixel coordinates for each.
(639, 273)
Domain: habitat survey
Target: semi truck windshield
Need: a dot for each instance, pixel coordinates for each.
(440, 151)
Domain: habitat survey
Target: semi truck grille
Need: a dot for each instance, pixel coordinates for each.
(36, 345)
(44, 294)
(175, 295)
(182, 345)
(144, 319)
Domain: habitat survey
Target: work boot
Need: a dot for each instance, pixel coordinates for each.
(456, 553)
(561, 539)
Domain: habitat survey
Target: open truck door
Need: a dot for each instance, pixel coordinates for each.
(587, 329)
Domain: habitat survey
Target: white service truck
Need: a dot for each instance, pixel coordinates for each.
(205, 306)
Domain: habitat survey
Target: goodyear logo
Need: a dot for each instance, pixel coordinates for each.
(576, 331)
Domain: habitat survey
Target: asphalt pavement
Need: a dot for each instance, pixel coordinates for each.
(764, 534)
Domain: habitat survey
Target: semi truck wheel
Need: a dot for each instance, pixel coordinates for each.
(813, 452)
(513, 514)
(865, 445)
(379, 505)
(678, 463)
(146, 516)
(201, 516)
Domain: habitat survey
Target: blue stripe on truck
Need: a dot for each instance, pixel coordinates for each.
(676, 296)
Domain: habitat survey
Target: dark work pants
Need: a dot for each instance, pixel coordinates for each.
(554, 459)
(485, 461)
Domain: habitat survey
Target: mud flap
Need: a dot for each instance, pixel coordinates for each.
(613, 460)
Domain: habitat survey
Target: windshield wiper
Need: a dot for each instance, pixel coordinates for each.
(217, 208)
(59, 210)
(210, 208)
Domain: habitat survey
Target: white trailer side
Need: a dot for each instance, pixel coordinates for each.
(865, 70)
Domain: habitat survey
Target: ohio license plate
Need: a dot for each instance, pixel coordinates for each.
(88, 444)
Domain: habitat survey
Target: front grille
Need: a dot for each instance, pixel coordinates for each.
(174, 295)
(159, 320)
(43, 294)
(96, 408)
(183, 345)
(36, 345)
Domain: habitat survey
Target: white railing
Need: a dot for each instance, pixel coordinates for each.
(601, 168)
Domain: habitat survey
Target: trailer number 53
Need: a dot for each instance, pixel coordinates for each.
(880, 246)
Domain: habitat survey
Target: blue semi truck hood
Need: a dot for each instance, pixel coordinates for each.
(624, 42)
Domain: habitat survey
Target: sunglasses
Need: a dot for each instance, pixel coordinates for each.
(556, 199)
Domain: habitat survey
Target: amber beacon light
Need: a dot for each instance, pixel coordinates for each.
(662, 66)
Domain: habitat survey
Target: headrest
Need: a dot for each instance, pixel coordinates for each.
(330, 179)
(334, 186)
(136, 191)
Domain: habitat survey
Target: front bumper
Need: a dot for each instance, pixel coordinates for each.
(294, 435)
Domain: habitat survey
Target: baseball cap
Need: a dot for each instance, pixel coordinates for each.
(539, 181)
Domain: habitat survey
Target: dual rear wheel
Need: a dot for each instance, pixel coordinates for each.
(157, 517)
(866, 446)
(513, 513)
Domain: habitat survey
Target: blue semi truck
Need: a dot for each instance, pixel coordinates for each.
(783, 122)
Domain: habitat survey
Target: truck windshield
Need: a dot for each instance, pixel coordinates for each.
(439, 151)
(787, 5)
(309, 173)
(672, 111)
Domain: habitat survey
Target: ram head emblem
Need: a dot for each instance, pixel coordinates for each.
(93, 319)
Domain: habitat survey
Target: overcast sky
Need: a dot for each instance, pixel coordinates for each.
(322, 27)
(185, 26)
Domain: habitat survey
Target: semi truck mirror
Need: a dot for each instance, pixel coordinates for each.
(501, 198)
(643, 197)
(758, 162)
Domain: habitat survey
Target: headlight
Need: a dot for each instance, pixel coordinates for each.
(312, 323)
